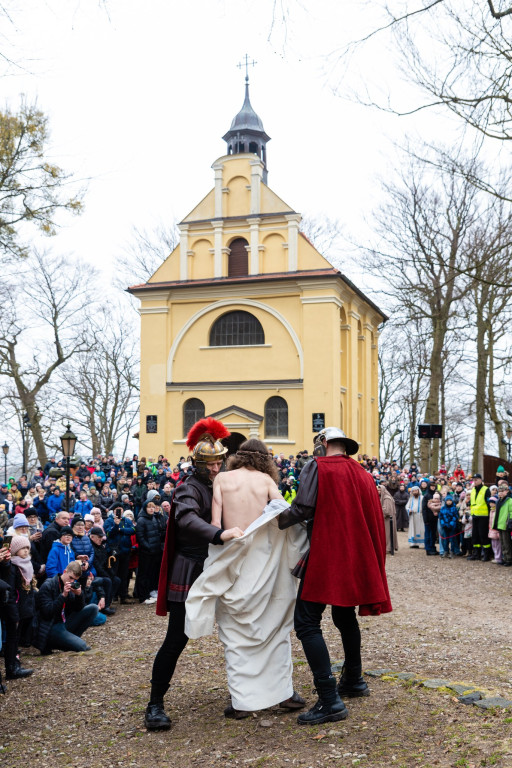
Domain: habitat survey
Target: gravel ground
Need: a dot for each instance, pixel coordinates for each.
(450, 620)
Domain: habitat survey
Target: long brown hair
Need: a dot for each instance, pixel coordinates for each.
(253, 453)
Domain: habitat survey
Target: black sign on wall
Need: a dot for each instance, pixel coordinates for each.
(318, 422)
(152, 424)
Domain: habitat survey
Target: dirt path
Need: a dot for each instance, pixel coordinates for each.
(451, 619)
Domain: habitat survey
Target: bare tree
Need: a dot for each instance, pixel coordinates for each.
(459, 56)
(146, 251)
(102, 386)
(327, 235)
(40, 335)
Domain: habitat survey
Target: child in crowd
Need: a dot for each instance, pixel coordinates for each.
(448, 521)
(467, 524)
(25, 584)
(494, 534)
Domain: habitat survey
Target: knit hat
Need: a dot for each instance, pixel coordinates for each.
(89, 518)
(17, 543)
(66, 530)
(500, 469)
(20, 521)
(93, 510)
(97, 531)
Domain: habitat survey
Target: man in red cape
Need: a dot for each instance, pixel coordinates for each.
(189, 533)
(345, 567)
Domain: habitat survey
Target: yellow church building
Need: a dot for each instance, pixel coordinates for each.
(247, 322)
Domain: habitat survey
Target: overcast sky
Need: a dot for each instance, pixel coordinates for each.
(139, 94)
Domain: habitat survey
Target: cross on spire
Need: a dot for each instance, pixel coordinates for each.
(246, 63)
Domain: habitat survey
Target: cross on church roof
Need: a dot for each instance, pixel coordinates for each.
(246, 64)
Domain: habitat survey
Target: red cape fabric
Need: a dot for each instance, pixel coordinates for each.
(346, 563)
(167, 558)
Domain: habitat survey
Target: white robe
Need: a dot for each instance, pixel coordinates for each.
(248, 588)
(416, 536)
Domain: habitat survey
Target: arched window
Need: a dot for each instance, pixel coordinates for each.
(276, 417)
(193, 410)
(238, 260)
(236, 329)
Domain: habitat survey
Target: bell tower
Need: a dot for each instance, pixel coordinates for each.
(246, 134)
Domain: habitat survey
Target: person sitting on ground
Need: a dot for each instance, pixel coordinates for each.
(63, 615)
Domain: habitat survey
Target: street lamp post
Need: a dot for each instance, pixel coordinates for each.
(5, 449)
(401, 444)
(68, 442)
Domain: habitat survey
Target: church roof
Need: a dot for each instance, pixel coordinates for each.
(305, 273)
(246, 119)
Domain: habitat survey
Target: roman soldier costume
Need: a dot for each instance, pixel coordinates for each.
(189, 533)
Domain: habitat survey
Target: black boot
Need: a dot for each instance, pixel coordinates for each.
(352, 684)
(155, 718)
(16, 671)
(486, 554)
(329, 708)
(3, 689)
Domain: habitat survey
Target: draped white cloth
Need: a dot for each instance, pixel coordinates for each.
(248, 588)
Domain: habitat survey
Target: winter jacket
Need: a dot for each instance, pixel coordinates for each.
(101, 559)
(54, 504)
(50, 603)
(82, 545)
(151, 531)
(119, 537)
(448, 516)
(41, 508)
(50, 534)
(59, 557)
(82, 507)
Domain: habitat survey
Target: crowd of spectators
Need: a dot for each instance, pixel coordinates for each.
(63, 569)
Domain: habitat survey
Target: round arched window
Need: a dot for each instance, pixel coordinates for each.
(276, 417)
(236, 329)
(193, 410)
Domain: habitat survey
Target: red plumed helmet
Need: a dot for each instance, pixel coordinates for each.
(204, 439)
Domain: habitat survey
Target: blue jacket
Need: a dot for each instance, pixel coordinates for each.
(82, 507)
(448, 516)
(119, 536)
(60, 556)
(54, 504)
(82, 545)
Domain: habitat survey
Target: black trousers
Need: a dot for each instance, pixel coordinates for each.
(147, 573)
(170, 651)
(307, 620)
(123, 572)
(481, 532)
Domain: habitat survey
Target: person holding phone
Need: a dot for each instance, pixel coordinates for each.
(63, 615)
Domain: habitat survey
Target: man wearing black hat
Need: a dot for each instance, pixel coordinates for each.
(480, 495)
(345, 566)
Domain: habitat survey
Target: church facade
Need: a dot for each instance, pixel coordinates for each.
(247, 322)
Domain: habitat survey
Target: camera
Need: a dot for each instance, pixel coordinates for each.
(75, 584)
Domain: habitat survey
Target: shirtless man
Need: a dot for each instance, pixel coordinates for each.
(241, 494)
